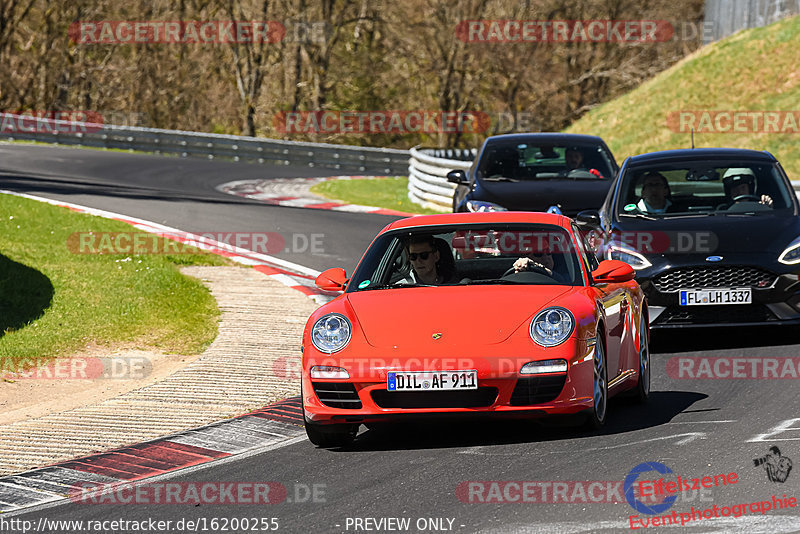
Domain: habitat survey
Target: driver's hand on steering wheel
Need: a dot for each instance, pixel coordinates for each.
(523, 264)
(766, 200)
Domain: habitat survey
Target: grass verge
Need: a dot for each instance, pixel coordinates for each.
(753, 70)
(389, 193)
(53, 302)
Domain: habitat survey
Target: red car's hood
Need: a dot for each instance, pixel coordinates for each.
(475, 315)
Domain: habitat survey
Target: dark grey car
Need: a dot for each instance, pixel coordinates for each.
(534, 171)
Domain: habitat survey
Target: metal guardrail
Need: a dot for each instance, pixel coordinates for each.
(427, 175)
(427, 172)
(238, 148)
(729, 16)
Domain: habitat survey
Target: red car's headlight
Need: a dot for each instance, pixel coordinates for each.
(552, 326)
(331, 333)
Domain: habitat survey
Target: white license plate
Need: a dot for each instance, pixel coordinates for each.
(716, 296)
(432, 380)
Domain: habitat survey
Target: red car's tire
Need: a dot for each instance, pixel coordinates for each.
(596, 417)
(642, 390)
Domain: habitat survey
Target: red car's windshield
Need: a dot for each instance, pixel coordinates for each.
(470, 255)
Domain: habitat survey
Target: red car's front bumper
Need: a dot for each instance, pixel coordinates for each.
(502, 390)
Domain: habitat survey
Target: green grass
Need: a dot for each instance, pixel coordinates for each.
(390, 193)
(753, 70)
(53, 301)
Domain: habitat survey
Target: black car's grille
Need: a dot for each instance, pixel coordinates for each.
(467, 398)
(698, 277)
(537, 389)
(337, 395)
(741, 313)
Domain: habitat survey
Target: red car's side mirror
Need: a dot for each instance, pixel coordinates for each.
(333, 279)
(613, 272)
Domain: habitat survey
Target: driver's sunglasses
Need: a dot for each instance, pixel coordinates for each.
(421, 255)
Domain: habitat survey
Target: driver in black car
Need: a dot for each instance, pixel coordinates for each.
(573, 157)
(740, 185)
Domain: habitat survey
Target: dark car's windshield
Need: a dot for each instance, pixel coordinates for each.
(469, 255)
(527, 161)
(718, 188)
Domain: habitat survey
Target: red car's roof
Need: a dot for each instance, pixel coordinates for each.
(482, 217)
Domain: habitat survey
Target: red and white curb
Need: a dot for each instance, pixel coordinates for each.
(290, 274)
(271, 427)
(294, 193)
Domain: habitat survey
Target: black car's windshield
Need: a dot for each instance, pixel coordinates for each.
(503, 161)
(721, 188)
(469, 254)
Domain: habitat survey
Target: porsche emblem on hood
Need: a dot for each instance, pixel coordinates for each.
(437, 335)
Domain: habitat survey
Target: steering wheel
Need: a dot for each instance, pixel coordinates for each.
(531, 268)
(751, 198)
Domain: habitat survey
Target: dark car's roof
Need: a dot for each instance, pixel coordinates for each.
(701, 154)
(547, 137)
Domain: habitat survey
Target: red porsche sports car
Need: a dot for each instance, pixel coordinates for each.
(498, 312)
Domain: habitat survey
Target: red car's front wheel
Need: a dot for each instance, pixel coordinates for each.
(597, 414)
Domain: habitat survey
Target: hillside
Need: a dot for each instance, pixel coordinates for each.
(755, 70)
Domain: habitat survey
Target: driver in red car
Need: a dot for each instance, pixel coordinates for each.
(740, 183)
(542, 260)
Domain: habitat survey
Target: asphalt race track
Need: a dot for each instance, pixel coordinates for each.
(437, 477)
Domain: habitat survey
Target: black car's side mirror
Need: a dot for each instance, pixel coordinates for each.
(590, 217)
(457, 177)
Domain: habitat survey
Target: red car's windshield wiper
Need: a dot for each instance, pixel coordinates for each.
(395, 286)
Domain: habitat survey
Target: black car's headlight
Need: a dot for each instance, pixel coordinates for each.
(480, 205)
(552, 326)
(791, 255)
(631, 257)
(331, 333)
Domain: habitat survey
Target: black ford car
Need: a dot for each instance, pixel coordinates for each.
(536, 171)
(713, 234)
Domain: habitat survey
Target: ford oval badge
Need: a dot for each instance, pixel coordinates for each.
(714, 258)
